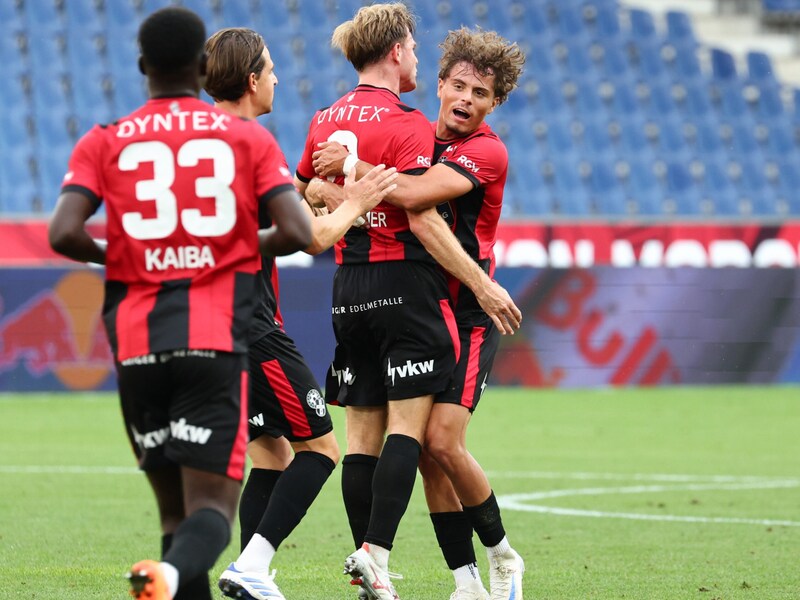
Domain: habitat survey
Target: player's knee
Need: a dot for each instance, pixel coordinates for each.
(326, 445)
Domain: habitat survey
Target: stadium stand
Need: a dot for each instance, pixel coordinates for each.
(619, 115)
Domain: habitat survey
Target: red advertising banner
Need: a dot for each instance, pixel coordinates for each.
(568, 245)
(559, 245)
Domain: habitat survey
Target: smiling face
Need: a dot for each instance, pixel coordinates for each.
(466, 98)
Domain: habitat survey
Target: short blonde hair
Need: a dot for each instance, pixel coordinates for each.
(488, 52)
(372, 33)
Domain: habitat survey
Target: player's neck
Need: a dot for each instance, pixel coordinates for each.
(238, 108)
(379, 76)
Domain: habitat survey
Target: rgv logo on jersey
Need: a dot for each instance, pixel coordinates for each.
(180, 257)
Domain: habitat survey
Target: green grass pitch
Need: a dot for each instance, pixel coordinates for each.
(669, 494)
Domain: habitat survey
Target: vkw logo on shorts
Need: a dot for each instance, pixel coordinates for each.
(315, 401)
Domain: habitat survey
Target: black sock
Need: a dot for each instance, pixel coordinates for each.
(195, 589)
(486, 521)
(254, 500)
(357, 472)
(197, 544)
(392, 485)
(294, 492)
(454, 534)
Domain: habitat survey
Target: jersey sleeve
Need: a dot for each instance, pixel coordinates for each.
(482, 159)
(85, 166)
(305, 169)
(272, 172)
(414, 143)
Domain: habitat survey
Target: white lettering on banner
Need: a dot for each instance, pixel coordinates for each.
(722, 253)
(181, 257)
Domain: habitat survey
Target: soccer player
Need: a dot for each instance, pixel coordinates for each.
(478, 69)
(183, 184)
(285, 403)
(397, 344)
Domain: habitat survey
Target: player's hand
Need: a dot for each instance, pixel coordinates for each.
(328, 161)
(368, 191)
(497, 303)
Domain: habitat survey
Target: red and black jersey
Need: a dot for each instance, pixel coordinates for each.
(482, 158)
(378, 128)
(182, 183)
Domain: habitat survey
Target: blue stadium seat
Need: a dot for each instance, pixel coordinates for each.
(12, 92)
(597, 142)
(718, 188)
(681, 189)
(614, 63)
(608, 195)
(723, 65)
(644, 189)
(272, 17)
(18, 183)
(39, 12)
(643, 27)
(697, 105)
(529, 19)
(781, 142)
(759, 68)
(672, 142)
(687, 64)
(571, 195)
(708, 141)
(632, 140)
(789, 184)
(732, 102)
(52, 167)
(679, 30)
(753, 186)
(121, 13)
(13, 119)
(205, 10)
(82, 13)
(607, 23)
(744, 142)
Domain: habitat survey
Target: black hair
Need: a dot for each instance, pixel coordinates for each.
(172, 39)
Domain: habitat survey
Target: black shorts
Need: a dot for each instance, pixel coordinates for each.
(479, 342)
(396, 335)
(284, 398)
(187, 407)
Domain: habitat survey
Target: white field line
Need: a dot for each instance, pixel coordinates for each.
(665, 477)
(520, 501)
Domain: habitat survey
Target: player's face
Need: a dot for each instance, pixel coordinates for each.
(265, 85)
(408, 64)
(466, 98)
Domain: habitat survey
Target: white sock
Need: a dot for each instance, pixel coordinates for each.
(257, 555)
(500, 549)
(379, 554)
(171, 577)
(467, 576)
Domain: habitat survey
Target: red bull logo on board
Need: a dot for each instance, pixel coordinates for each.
(59, 331)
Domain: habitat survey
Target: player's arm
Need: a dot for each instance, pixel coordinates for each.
(67, 232)
(357, 198)
(438, 184)
(433, 232)
(291, 229)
